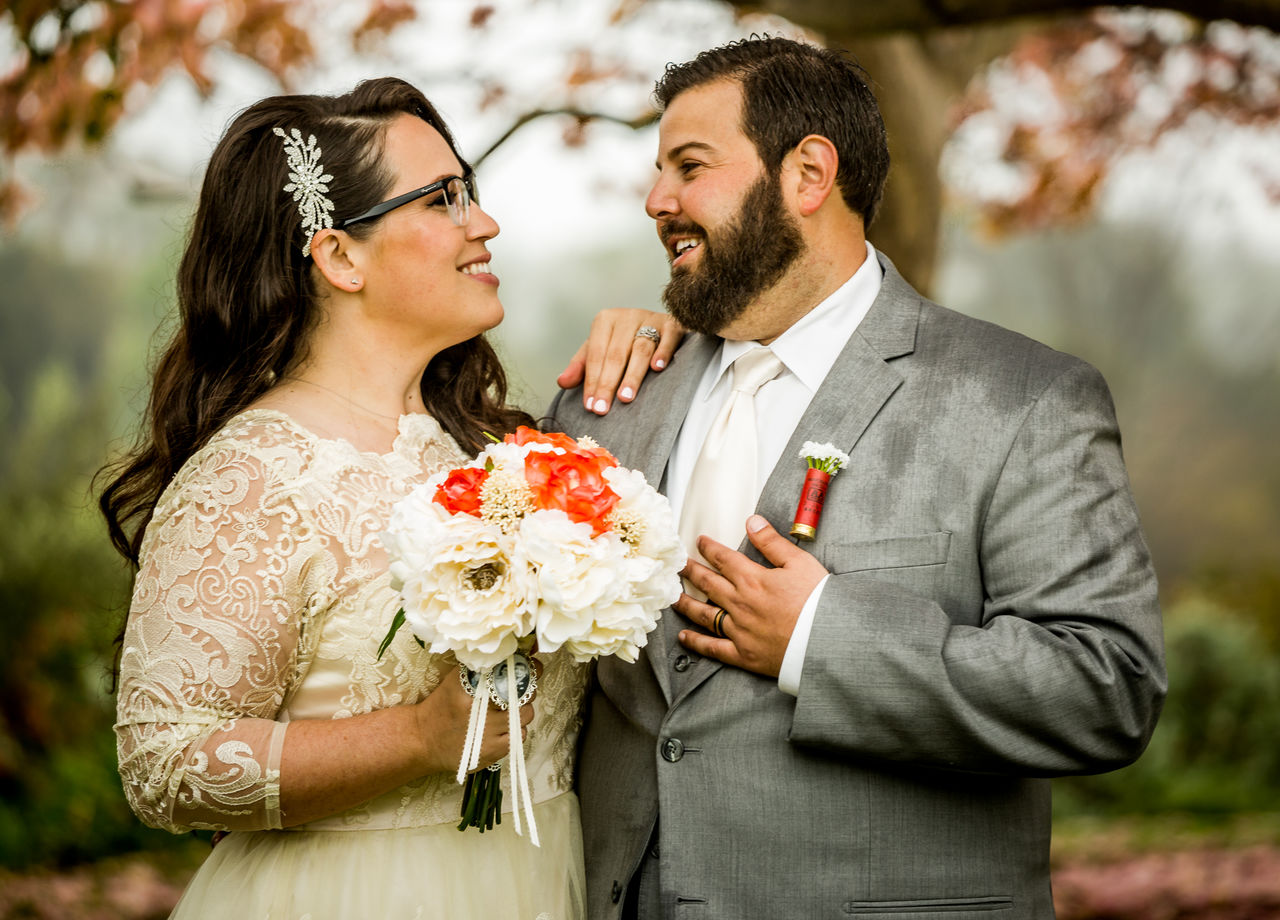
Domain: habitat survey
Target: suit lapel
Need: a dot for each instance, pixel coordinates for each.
(664, 406)
(852, 394)
(857, 386)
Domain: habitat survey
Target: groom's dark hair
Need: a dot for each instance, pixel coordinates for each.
(789, 91)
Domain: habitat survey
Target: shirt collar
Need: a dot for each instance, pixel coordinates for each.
(810, 347)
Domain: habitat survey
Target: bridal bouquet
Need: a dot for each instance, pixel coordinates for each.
(540, 541)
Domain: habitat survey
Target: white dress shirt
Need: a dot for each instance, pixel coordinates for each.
(807, 351)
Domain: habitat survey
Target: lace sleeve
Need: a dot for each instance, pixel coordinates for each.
(230, 567)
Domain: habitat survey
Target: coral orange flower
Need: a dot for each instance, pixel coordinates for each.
(574, 483)
(526, 435)
(460, 492)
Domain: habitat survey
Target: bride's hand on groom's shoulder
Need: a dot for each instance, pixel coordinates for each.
(615, 358)
(442, 719)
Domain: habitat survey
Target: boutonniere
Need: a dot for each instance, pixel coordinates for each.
(824, 460)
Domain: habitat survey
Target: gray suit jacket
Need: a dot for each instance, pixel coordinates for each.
(991, 620)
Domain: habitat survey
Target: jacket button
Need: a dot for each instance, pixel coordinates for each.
(682, 663)
(672, 749)
(616, 894)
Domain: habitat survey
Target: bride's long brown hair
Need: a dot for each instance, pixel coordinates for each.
(247, 301)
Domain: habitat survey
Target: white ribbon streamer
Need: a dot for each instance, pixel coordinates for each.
(516, 749)
(521, 793)
(475, 731)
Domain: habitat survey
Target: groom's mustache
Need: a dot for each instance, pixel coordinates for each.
(676, 227)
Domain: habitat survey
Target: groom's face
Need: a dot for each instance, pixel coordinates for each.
(719, 214)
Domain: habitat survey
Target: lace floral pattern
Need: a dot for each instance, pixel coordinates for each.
(261, 598)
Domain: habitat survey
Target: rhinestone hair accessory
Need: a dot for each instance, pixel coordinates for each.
(308, 181)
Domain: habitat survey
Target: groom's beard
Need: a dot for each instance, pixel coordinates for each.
(744, 260)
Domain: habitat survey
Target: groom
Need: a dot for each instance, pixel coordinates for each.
(864, 724)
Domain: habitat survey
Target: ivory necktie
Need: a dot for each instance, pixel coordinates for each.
(722, 486)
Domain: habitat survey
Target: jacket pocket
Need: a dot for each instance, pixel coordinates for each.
(887, 553)
(951, 908)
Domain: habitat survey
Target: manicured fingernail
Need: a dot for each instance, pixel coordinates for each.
(755, 523)
(626, 393)
(659, 364)
(601, 407)
(586, 402)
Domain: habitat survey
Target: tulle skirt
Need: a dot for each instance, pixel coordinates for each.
(397, 874)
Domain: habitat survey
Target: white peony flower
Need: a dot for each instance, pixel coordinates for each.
(647, 522)
(502, 456)
(622, 627)
(622, 631)
(466, 586)
(644, 521)
(415, 522)
(576, 575)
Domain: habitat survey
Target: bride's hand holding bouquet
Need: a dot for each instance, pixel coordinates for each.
(442, 722)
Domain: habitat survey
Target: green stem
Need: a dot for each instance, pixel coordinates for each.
(482, 800)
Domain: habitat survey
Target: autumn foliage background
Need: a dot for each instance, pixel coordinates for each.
(1108, 182)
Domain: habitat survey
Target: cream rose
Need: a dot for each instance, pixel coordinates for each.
(576, 575)
(465, 585)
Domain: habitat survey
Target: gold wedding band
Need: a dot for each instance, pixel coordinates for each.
(717, 622)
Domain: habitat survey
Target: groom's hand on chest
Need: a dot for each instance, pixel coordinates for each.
(760, 604)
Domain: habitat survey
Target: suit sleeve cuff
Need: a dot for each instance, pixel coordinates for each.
(793, 661)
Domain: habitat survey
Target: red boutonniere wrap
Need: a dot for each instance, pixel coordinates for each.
(824, 460)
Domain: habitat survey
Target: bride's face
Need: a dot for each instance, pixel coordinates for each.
(426, 273)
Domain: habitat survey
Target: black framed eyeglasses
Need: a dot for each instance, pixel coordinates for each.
(458, 191)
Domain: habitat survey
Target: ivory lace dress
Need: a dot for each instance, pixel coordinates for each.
(262, 597)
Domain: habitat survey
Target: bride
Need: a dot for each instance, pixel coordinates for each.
(330, 357)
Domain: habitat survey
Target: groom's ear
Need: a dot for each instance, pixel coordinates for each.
(813, 165)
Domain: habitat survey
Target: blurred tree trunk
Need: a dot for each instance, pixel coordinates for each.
(917, 77)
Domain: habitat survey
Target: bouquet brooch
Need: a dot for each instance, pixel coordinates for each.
(540, 540)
